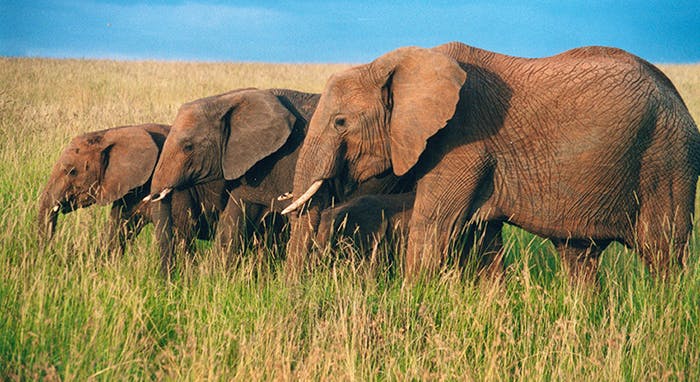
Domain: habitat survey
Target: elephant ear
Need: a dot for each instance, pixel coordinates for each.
(255, 126)
(127, 160)
(421, 89)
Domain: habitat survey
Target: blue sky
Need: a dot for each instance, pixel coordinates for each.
(341, 31)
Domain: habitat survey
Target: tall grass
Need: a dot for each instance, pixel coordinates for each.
(68, 312)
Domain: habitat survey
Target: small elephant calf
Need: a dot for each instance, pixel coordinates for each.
(366, 219)
(115, 166)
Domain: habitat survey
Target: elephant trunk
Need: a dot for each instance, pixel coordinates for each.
(50, 205)
(317, 163)
(316, 166)
(162, 219)
(48, 216)
(166, 177)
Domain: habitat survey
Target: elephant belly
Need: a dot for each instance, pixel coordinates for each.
(593, 202)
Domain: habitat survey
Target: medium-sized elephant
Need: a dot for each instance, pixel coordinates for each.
(248, 138)
(587, 147)
(115, 166)
(367, 220)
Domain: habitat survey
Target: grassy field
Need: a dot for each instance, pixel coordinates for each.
(67, 312)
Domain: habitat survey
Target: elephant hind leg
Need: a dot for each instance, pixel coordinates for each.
(664, 225)
(580, 259)
(660, 241)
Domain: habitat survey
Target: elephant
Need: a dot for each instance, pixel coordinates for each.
(115, 166)
(247, 138)
(251, 139)
(587, 147)
(368, 219)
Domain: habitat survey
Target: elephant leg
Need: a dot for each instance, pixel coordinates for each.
(326, 228)
(490, 251)
(442, 207)
(125, 224)
(663, 235)
(116, 240)
(184, 230)
(236, 225)
(580, 259)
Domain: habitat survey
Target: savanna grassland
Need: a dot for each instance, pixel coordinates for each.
(69, 311)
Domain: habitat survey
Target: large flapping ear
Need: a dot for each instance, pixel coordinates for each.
(257, 125)
(127, 160)
(422, 89)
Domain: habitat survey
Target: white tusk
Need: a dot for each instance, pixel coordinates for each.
(56, 208)
(304, 198)
(285, 196)
(162, 194)
(147, 198)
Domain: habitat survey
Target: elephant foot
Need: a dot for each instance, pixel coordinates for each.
(580, 260)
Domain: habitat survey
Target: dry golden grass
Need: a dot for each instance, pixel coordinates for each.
(67, 312)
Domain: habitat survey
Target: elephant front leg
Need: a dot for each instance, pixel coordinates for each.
(445, 201)
(236, 226)
(125, 224)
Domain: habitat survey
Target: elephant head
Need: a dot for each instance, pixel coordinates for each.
(221, 137)
(99, 167)
(376, 118)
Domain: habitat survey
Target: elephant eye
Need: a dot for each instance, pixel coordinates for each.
(188, 147)
(72, 172)
(339, 123)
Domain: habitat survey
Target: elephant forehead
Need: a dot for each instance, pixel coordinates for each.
(351, 96)
(79, 146)
(187, 117)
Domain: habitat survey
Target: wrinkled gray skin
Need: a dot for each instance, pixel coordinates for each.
(367, 219)
(586, 147)
(115, 166)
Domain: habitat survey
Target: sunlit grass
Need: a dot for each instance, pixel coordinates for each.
(70, 312)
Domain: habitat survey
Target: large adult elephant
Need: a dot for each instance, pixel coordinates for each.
(114, 166)
(587, 147)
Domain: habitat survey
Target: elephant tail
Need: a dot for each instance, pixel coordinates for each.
(692, 135)
(695, 153)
